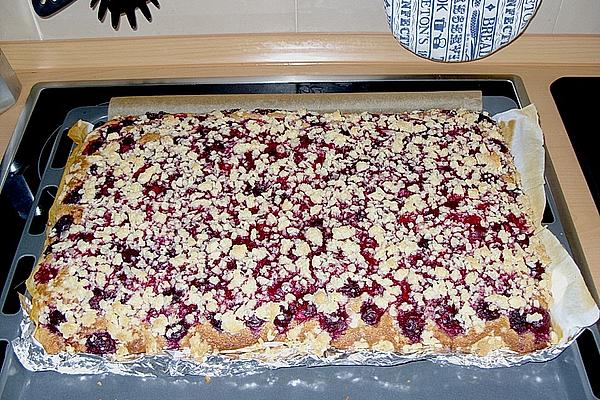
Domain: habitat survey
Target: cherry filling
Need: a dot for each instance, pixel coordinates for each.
(99, 295)
(127, 121)
(285, 317)
(155, 188)
(226, 167)
(249, 161)
(73, 196)
(107, 186)
(129, 255)
(405, 286)
(411, 324)
(540, 328)
(537, 270)
(93, 146)
(184, 310)
(55, 318)
(305, 311)
(45, 273)
(351, 289)
(503, 147)
(518, 321)
(175, 332)
(254, 324)
(370, 313)
(474, 220)
(453, 201)
(215, 147)
(85, 236)
(305, 141)
(316, 222)
(405, 219)
(63, 224)
(215, 322)
(140, 170)
(126, 144)
(256, 189)
(275, 291)
(483, 311)
(446, 320)
(334, 324)
(112, 128)
(100, 343)
(320, 158)
(175, 294)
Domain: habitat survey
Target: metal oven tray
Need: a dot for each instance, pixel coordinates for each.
(565, 377)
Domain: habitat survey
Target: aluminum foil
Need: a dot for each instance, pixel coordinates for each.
(176, 363)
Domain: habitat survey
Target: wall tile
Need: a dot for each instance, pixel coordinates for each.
(578, 16)
(545, 18)
(16, 21)
(341, 16)
(177, 17)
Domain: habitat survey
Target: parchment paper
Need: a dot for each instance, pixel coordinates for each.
(349, 102)
(573, 306)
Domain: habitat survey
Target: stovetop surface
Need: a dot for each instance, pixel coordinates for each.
(572, 97)
(562, 378)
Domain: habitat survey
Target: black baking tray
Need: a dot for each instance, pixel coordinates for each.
(32, 167)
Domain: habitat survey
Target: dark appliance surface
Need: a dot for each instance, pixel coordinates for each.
(33, 165)
(576, 100)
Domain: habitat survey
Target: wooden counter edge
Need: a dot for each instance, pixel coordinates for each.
(279, 49)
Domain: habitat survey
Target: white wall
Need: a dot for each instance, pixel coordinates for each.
(178, 17)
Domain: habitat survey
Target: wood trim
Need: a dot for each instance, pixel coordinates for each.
(278, 49)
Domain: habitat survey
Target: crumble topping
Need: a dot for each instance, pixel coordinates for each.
(259, 219)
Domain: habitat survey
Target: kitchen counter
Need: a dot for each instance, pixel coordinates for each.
(537, 59)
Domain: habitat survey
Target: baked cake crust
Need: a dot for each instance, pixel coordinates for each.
(398, 232)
